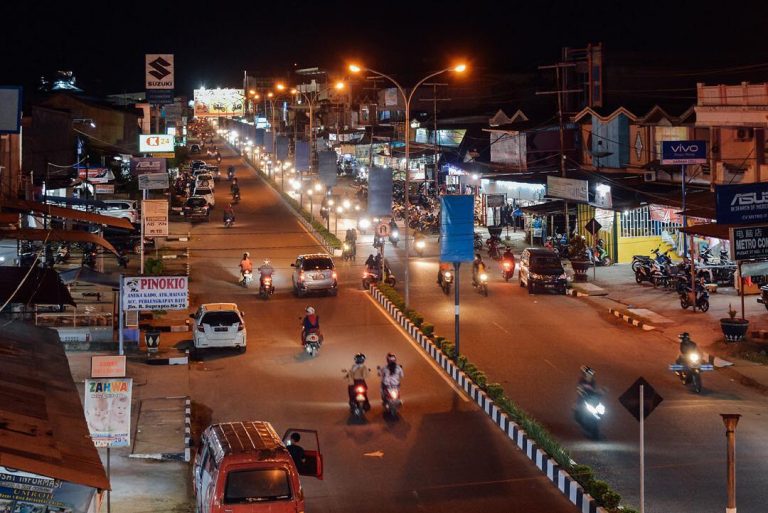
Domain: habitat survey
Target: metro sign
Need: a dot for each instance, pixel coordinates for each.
(155, 143)
(683, 152)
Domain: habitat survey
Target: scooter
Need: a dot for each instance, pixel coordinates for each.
(420, 246)
(62, 254)
(689, 368)
(246, 278)
(391, 400)
(360, 404)
(445, 282)
(589, 411)
(312, 343)
(507, 269)
(235, 198)
(371, 277)
(702, 298)
(266, 288)
(481, 284)
(394, 237)
(228, 222)
(348, 251)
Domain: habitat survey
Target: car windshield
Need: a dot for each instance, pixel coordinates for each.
(202, 191)
(196, 202)
(546, 261)
(257, 486)
(318, 263)
(224, 318)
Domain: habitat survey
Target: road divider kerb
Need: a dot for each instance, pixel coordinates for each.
(560, 478)
(629, 319)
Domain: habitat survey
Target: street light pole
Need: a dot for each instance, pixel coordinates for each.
(731, 420)
(407, 99)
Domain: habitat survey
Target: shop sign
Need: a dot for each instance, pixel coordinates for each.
(25, 492)
(494, 200)
(568, 188)
(683, 152)
(155, 293)
(108, 411)
(153, 181)
(95, 174)
(153, 143)
(108, 366)
(104, 188)
(141, 165)
(749, 243)
(742, 204)
(154, 215)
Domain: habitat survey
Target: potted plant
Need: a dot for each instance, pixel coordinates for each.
(734, 329)
(579, 257)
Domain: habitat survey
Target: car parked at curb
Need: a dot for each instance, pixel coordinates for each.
(207, 193)
(541, 269)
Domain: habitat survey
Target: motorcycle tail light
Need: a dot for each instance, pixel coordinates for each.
(393, 393)
(360, 390)
(507, 265)
(359, 397)
(200, 328)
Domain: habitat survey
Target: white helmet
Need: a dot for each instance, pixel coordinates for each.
(310, 310)
(266, 261)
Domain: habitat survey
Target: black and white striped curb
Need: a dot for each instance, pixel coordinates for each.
(631, 320)
(564, 482)
(187, 429)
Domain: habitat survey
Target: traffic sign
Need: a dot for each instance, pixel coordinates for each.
(593, 226)
(631, 398)
(382, 230)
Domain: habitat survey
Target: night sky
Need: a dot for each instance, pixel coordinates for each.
(104, 43)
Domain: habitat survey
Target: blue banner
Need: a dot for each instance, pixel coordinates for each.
(742, 204)
(683, 152)
(326, 160)
(258, 137)
(269, 138)
(380, 192)
(457, 228)
(302, 155)
(282, 148)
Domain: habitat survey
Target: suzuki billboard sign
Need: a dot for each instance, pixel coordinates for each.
(156, 143)
(159, 71)
(683, 152)
(742, 204)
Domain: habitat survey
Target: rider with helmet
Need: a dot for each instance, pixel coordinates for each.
(686, 346)
(310, 324)
(265, 269)
(587, 383)
(391, 375)
(246, 266)
(357, 375)
(229, 213)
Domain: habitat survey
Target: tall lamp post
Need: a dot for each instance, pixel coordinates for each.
(460, 68)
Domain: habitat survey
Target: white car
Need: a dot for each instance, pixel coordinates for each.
(219, 325)
(204, 180)
(125, 209)
(207, 193)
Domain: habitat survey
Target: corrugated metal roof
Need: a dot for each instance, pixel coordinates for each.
(42, 287)
(42, 425)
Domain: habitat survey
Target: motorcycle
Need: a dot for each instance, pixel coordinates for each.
(394, 237)
(702, 298)
(478, 242)
(266, 288)
(359, 405)
(62, 254)
(312, 343)
(507, 269)
(445, 282)
(348, 251)
(371, 277)
(89, 258)
(228, 222)
(589, 411)
(644, 272)
(246, 278)
(640, 260)
(420, 246)
(230, 173)
(482, 284)
(235, 198)
(689, 368)
(391, 400)
(600, 256)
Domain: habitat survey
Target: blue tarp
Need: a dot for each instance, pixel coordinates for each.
(380, 192)
(457, 227)
(327, 167)
(302, 155)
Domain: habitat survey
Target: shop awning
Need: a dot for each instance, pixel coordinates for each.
(717, 231)
(88, 275)
(81, 215)
(57, 235)
(41, 287)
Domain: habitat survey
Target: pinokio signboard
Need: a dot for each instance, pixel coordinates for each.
(155, 293)
(742, 204)
(683, 152)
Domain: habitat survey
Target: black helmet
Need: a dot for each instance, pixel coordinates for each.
(587, 371)
(684, 336)
(359, 358)
(391, 358)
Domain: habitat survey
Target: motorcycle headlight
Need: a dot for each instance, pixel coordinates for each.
(483, 277)
(694, 357)
(448, 275)
(600, 408)
(420, 244)
(395, 234)
(346, 247)
(591, 409)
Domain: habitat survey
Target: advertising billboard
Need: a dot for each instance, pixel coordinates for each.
(154, 215)
(218, 102)
(742, 203)
(155, 293)
(568, 188)
(141, 165)
(25, 492)
(749, 243)
(156, 143)
(684, 152)
(108, 411)
(158, 71)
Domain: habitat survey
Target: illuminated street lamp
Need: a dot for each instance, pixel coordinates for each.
(460, 68)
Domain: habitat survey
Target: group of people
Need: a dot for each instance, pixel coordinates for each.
(391, 376)
(478, 266)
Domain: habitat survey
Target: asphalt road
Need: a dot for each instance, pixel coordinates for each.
(535, 344)
(442, 455)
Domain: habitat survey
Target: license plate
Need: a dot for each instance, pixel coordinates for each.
(318, 277)
(549, 285)
(221, 329)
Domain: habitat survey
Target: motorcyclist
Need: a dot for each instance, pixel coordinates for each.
(686, 346)
(391, 375)
(443, 268)
(508, 256)
(246, 265)
(351, 239)
(234, 188)
(310, 324)
(357, 374)
(478, 267)
(265, 269)
(231, 172)
(229, 213)
(587, 383)
(392, 228)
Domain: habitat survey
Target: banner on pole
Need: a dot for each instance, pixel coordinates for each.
(326, 160)
(302, 155)
(269, 137)
(258, 137)
(282, 147)
(107, 408)
(380, 191)
(457, 228)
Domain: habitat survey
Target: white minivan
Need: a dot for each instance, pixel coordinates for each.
(219, 325)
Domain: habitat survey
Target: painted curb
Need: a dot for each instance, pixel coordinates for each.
(631, 320)
(564, 482)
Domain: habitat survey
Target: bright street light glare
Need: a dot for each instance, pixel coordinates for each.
(339, 85)
(354, 68)
(280, 87)
(270, 94)
(252, 91)
(460, 68)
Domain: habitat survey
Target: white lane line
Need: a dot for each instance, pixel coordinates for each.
(419, 350)
(552, 365)
(502, 328)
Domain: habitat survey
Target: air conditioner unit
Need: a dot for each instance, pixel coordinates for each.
(745, 134)
(649, 176)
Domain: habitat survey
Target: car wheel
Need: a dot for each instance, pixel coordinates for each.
(333, 292)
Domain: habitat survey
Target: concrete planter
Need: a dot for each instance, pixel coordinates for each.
(580, 268)
(734, 330)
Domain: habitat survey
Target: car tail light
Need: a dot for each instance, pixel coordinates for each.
(240, 327)
(200, 328)
(334, 275)
(301, 276)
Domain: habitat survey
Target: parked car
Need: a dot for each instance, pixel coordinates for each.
(196, 208)
(197, 164)
(245, 467)
(541, 268)
(195, 148)
(204, 180)
(219, 325)
(214, 170)
(207, 193)
(125, 209)
(314, 272)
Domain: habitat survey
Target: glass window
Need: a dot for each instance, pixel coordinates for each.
(546, 261)
(221, 318)
(317, 263)
(257, 486)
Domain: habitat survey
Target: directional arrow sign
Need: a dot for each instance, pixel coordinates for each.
(631, 399)
(375, 454)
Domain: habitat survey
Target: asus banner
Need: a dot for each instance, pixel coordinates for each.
(742, 204)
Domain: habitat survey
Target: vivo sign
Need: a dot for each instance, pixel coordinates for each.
(742, 204)
(683, 152)
(156, 143)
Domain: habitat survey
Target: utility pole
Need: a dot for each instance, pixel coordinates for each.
(560, 91)
(436, 141)
(731, 420)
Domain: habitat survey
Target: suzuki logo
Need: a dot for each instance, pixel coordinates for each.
(681, 148)
(749, 198)
(159, 68)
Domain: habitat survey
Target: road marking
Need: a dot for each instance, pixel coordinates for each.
(502, 328)
(376, 454)
(419, 350)
(551, 365)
